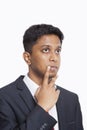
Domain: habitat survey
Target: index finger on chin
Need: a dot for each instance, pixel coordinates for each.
(46, 76)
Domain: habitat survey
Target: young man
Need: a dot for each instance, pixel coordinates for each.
(33, 101)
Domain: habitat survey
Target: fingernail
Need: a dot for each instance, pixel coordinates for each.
(48, 67)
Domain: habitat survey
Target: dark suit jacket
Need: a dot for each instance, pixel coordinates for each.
(19, 111)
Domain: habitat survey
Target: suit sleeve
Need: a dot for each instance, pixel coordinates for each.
(38, 119)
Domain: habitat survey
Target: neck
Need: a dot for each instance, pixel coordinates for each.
(36, 79)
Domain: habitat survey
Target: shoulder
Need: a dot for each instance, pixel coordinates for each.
(67, 95)
(11, 87)
(68, 99)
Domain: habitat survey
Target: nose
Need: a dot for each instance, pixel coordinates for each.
(53, 57)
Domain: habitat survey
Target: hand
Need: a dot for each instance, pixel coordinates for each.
(46, 95)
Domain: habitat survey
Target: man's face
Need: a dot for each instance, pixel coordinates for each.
(46, 52)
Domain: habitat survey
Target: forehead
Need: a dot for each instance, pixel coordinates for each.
(51, 40)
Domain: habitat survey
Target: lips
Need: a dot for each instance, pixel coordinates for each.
(53, 68)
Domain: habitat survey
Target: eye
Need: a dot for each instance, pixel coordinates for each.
(46, 50)
(58, 51)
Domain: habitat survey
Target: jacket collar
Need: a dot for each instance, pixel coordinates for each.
(24, 93)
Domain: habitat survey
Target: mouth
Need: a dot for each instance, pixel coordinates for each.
(53, 68)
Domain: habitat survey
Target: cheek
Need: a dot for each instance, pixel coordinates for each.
(40, 61)
(59, 60)
(44, 61)
(39, 65)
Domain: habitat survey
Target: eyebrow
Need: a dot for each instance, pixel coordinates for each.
(59, 46)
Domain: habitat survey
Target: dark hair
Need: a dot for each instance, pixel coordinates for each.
(33, 33)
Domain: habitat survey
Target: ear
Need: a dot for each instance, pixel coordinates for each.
(27, 57)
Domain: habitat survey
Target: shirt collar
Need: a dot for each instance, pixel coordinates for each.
(32, 86)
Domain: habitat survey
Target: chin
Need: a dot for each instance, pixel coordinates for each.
(52, 75)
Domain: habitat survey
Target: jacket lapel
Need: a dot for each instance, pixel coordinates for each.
(25, 94)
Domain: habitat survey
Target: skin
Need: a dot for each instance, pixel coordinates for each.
(44, 63)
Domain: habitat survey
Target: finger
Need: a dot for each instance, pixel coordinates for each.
(46, 76)
(52, 81)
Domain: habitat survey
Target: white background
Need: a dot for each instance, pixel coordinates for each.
(70, 16)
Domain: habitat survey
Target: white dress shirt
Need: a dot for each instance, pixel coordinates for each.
(32, 86)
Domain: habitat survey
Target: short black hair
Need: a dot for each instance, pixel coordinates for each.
(34, 32)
